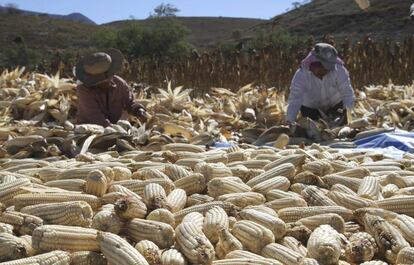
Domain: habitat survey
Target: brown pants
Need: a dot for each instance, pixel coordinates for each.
(336, 111)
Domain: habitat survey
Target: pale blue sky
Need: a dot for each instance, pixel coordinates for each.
(102, 11)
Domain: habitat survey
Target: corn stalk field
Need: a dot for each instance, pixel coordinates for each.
(162, 193)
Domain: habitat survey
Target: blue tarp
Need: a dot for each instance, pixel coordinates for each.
(399, 139)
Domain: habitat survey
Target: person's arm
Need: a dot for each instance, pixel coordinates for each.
(132, 107)
(88, 108)
(345, 87)
(296, 95)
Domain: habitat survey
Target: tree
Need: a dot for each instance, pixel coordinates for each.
(165, 10)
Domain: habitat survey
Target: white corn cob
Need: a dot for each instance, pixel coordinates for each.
(149, 251)
(138, 186)
(406, 226)
(203, 208)
(195, 218)
(286, 170)
(195, 183)
(243, 254)
(253, 236)
(179, 147)
(286, 203)
(194, 244)
(360, 248)
(238, 156)
(279, 194)
(357, 172)
(173, 257)
(214, 220)
(385, 214)
(325, 245)
(276, 225)
(155, 196)
(245, 173)
(352, 183)
(293, 214)
(388, 238)
(210, 171)
(23, 223)
(332, 219)
(282, 254)
(401, 205)
(243, 199)
(51, 258)
(163, 216)
(76, 213)
(177, 200)
(220, 186)
(11, 189)
(308, 178)
(175, 172)
(88, 258)
(59, 237)
(389, 190)
(28, 244)
(406, 256)
(226, 243)
(121, 173)
(6, 228)
(28, 199)
(67, 184)
(370, 188)
(96, 183)
(350, 201)
(160, 233)
(294, 244)
(11, 247)
(242, 261)
(296, 160)
(118, 251)
(106, 220)
(262, 208)
(188, 162)
(316, 197)
(149, 173)
(198, 199)
(319, 167)
(298, 231)
(343, 189)
(124, 190)
(278, 183)
(129, 208)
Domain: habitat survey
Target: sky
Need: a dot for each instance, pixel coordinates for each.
(103, 11)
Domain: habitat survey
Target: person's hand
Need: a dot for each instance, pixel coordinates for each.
(139, 111)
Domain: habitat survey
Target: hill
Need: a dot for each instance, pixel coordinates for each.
(78, 17)
(343, 18)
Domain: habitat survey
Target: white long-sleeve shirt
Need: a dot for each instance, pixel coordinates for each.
(310, 91)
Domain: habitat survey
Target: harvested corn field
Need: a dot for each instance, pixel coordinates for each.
(161, 193)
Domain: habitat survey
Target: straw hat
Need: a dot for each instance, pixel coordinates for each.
(97, 67)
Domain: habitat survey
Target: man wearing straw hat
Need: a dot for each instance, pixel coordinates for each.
(321, 87)
(102, 95)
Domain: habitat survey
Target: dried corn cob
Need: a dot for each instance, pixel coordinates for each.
(215, 219)
(188, 162)
(178, 147)
(163, 216)
(325, 245)
(401, 205)
(121, 173)
(67, 184)
(220, 186)
(203, 208)
(296, 159)
(149, 173)
(194, 244)
(343, 189)
(278, 183)
(238, 156)
(11, 247)
(360, 248)
(352, 183)
(332, 219)
(286, 203)
(6, 228)
(23, 200)
(10, 189)
(124, 190)
(76, 213)
(299, 232)
(195, 218)
(262, 208)
(315, 197)
(172, 257)
(155, 197)
(59, 237)
(385, 214)
(198, 199)
(286, 170)
(253, 236)
(243, 199)
(138, 186)
(51, 258)
(308, 178)
(175, 172)
(370, 188)
(293, 244)
(293, 214)
(319, 167)
(177, 200)
(106, 220)
(390, 190)
(350, 201)
(149, 251)
(279, 194)
(160, 233)
(27, 242)
(118, 251)
(87, 258)
(210, 171)
(406, 225)
(244, 261)
(194, 183)
(374, 262)
(96, 183)
(282, 254)
(23, 223)
(226, 243)
(276, 225)
(244, 173)
(129, 208)
(406, 256)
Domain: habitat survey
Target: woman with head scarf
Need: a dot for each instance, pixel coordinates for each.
(102, 95)
(321, 87)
